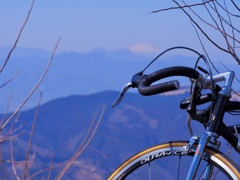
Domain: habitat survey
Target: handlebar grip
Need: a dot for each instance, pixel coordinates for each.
(159, 88)
(145, 82)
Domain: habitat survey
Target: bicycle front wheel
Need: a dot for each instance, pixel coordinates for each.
(171, 161)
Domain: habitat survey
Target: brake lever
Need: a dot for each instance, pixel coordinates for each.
(124, 90)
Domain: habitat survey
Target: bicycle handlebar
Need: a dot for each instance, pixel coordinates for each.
(144, 83)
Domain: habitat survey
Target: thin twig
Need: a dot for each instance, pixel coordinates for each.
(34, 89)
(11, 128)
(209, 24)
(226, 10)
(205, 34)
(41, 171)
(50, 168)
(231, 25)
(16, 162)
(230, 49)
(235, 5)
(186, 6)
(7, 108)
(18, 37)
(88, 132)
(31, 137)
(98, 152)
(30, 162)
(13, 164)
(225, 35)
(16, 129)
(12, 137)
(8, 81)
(79, 152)
(202, 31)
(1, 156)
(204, 48)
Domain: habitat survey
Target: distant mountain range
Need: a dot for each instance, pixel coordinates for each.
(137, 123)
(75, 73)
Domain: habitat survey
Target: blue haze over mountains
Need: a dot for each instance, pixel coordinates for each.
(77, 73)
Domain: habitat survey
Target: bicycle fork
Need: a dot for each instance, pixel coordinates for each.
(202, 142)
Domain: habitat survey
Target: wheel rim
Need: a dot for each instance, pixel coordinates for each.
(161, 161)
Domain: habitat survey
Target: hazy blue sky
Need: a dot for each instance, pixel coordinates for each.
(85, 25)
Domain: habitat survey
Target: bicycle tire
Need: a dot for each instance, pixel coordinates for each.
(211, 156)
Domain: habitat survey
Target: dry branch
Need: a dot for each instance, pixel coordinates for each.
(217, 21)
(89, 136)
(235, 5)
(30, 138)
(18, 37)
(34, 89)
(50, 168)
(13, 163)
(9, 80)
(186, 6)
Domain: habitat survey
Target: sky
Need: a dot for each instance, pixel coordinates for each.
(87, 25)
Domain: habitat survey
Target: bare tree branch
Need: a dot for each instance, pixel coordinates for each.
(235, 5)
(50, 168)
(9, 79)
(226, 10)
(7, 108)
(223, 31)
(204, 49)
(31, 137)
(12, 137)
(13, 164)
(41, 171)
(217, 13)
(231, 25)
(202, 31)
(34, 89)
(33, 156)
(10, 130)
(181, 7)
(18, 37)
(83, 145)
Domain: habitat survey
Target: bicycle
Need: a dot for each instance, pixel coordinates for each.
(203, 160)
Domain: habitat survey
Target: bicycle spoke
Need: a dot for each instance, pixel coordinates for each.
(203, 172)
(216, 174)
(149, 171)
(179, 162)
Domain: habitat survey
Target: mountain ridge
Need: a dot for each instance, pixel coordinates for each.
(62, 124)
(70, 73)
(137, 123)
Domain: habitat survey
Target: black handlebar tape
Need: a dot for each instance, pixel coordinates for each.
(156, 89)
(144, 87)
